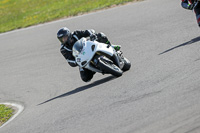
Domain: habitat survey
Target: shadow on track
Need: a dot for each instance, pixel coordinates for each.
(197, 39)
(77, 90)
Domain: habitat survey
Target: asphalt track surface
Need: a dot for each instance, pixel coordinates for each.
(160, 94)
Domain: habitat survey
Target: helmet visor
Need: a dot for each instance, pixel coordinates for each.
(63, 39)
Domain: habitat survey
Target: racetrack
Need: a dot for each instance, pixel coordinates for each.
(160, 93)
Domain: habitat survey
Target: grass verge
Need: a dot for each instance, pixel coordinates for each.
(5, 113)
(16, 14)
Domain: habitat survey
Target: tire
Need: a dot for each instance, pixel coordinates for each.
(127, 64)
(107, 66)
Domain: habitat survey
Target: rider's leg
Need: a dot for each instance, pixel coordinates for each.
(103, 38)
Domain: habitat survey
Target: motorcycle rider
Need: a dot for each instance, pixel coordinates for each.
(68, 39)
(189, 4)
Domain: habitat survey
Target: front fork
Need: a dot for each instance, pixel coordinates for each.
(117, 56)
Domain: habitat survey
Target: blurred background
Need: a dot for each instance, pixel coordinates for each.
(16, 14)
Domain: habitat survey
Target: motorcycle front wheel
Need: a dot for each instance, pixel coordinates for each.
(127, 64)
(107, 66)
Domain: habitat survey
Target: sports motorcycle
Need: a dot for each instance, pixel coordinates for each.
(99, 57)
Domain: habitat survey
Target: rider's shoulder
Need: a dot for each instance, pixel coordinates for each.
(65, 48)
(77, 31)
(61, 46)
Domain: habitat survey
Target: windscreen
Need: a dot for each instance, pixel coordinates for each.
(78, 46)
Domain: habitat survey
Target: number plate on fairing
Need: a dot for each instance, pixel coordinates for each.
(78, 60)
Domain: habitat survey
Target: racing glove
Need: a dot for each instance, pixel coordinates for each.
(93, 37)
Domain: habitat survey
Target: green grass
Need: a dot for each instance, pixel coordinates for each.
(5, 113)
(16, 14)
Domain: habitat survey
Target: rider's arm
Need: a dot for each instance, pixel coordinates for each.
(185, 4)
(81, 33)
(67, 53)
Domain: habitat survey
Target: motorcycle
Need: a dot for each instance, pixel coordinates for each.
(99, 57)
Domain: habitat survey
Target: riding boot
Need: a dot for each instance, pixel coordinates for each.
(116, 47)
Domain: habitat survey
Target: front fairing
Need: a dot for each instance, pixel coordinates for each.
(84, 51)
